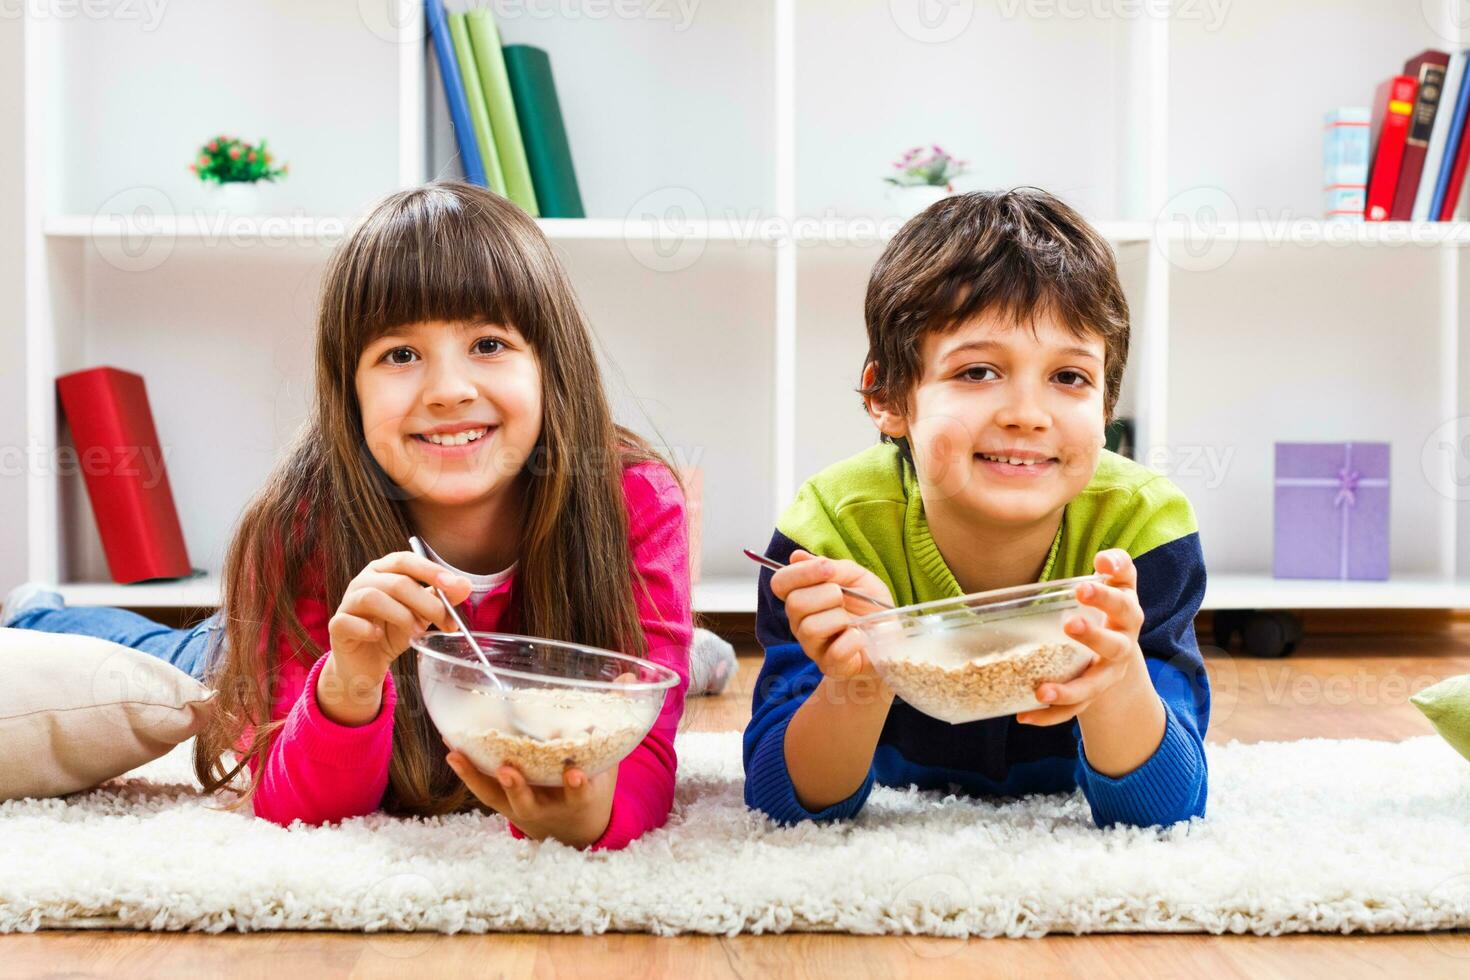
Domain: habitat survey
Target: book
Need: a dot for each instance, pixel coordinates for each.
(1457, 182)
(1392, 108)
(543, 132)
(1444, 118)
(1428, 68)
(1345, 163)
(485, 38)
(459, 111)
(123, 467)
(474, 95)
(1452, 146)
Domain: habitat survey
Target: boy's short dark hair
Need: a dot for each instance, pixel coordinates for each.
(1020, 253)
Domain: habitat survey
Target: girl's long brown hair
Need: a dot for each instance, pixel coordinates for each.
(447, 251)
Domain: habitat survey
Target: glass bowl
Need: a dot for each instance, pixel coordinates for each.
(560, 704)
(981, 655)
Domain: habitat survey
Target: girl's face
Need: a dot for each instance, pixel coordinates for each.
(451, 411)
(992, 391)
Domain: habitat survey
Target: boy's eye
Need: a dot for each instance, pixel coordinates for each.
(489, 345)
(393, 356)
(1082, 380)
(972, 373)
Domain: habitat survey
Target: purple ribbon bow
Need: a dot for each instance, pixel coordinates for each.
(1347, 487)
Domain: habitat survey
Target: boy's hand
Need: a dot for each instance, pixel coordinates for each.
(1115, 643)
(577, 814)
(821, 614)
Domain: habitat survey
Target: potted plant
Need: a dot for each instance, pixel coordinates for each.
(233, 171)
(923, 177)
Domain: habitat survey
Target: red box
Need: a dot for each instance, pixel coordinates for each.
(122, 463)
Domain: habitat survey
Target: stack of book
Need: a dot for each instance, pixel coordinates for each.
(1405, 158)
(507, 120)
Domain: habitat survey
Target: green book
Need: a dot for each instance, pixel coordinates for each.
(503, 122)
(475, 96)
(543, 132)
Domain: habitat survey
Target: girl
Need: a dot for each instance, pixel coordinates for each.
(458, 398)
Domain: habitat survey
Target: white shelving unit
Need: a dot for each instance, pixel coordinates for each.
(730, 168)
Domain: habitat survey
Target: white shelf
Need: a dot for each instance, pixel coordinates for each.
(755, 230)
(1228, 591)
(714, 595)
(194, 593)
(327, 230)
(744, 353)
(725, 595)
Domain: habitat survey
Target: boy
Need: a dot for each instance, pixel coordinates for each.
(997, 333)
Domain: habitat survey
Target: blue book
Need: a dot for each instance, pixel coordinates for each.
(1345, 163)
(459, 107)
(1452, 145)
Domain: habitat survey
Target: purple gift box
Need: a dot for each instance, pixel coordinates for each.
(1332, 510)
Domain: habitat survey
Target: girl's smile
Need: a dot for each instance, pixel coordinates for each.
(454, 441)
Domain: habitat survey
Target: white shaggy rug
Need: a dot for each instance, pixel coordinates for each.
(1309, 836)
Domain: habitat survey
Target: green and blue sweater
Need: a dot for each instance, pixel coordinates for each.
(868, 509)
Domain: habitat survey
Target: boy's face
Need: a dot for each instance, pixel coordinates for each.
(992, 388)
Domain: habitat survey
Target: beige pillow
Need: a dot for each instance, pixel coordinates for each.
(76, 711)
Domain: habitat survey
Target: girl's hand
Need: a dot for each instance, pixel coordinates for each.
(821, 614)
(387, 604)
(1115, 642)
(577, 814)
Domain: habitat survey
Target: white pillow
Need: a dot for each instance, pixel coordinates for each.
(76, 711)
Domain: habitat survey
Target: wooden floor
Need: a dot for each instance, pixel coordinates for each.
(1335, 686)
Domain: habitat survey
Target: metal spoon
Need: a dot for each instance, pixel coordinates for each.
(418, 549)
(775, 565)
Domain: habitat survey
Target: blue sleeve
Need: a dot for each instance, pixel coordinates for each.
(787, 679)
(1172, 784)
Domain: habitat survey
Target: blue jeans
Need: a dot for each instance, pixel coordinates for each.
(190, 649)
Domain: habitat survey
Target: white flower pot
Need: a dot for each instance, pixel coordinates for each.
(238, 197)
(909, 201)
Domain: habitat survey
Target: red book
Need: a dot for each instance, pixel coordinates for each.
(1428, 69)
(1392, 109)
(122, 462)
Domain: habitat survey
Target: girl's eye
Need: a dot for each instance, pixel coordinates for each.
(1082, 380)
(392, 357)
(970, 374)
(489, 345)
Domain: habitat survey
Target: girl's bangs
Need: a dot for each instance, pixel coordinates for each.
(441, 257)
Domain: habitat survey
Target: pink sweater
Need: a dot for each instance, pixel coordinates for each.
(319, 771)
